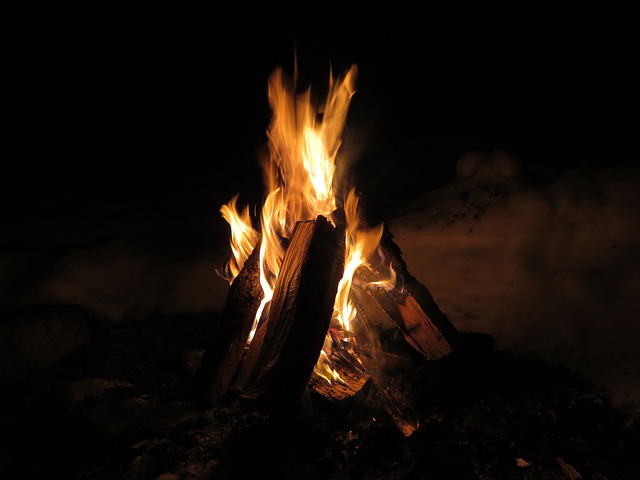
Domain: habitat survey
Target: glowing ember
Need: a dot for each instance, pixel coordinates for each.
(299, 174)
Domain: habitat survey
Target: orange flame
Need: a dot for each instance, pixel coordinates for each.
(360, 243)
(299, 174)
(243, 236)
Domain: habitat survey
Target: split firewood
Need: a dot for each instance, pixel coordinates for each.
(287, 345)
(403, 309)
(339, 390)
(356, 361)
(408, 303)
(417, 306)
(222, 356)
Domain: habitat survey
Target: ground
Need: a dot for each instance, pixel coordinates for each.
(131, 133)
(124, 406)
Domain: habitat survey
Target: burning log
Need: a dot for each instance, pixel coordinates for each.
(353, 375)
(407, 302)
(279, 360)
(419, 301)
(411, 306)
(226, 347)
(286, 346)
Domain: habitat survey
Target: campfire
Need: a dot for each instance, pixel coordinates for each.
(318, 291)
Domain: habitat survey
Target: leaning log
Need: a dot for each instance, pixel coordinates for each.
(410, 304)
(287, 345)
(417, 300)
(224, 351)
(403, 309)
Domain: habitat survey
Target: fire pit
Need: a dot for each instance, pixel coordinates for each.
(317, 285)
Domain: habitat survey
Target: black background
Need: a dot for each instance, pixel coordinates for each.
(163, 102)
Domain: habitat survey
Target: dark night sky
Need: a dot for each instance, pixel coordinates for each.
(119, 102)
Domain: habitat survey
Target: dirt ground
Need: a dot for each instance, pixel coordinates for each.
(124, 407)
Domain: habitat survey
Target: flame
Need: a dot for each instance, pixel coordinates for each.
(360, 243)
(243, 236)
(303, 142)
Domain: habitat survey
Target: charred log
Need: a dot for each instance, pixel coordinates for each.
(351, 376)
(409, 304)
(403, 309)
(226, 347)
(419, 300)
(286, 347)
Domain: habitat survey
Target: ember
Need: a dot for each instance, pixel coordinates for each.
(314, 288)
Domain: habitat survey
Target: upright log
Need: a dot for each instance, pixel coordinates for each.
(285, 349)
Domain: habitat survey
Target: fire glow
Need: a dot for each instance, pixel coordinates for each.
(299, 174)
